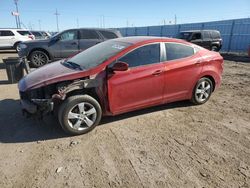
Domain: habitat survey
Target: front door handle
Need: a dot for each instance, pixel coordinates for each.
(74, 43)
(157, 73)
(198, 62)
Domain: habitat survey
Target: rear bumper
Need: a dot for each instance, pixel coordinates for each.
(37, 107)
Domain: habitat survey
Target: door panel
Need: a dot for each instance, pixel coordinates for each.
(88, 38)
(138, 87)
(68, 48)
(67, 45)
(180, 77)
(87, 43)
(7, 38)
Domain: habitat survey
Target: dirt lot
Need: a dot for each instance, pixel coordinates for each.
(174, 145)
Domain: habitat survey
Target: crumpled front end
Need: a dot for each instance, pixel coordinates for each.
(36, 102)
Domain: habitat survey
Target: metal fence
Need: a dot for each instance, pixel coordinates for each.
(235, 33)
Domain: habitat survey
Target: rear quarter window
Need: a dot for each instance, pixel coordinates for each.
(178, 51)
(108, 34)
(215, 34)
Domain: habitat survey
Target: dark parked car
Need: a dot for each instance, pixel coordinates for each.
(64, 44)
(119, 76)
(209, 39)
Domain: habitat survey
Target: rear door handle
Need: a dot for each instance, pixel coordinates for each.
(156, 73)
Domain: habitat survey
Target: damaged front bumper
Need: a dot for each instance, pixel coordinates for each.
(37, 107)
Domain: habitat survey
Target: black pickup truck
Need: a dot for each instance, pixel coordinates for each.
(209, 39)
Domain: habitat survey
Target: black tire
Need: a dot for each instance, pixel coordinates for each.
(38, 58)
(16, 46)
(215, 48)
(77, 126)
(201, 93)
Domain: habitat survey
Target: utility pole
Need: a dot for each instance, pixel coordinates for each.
(175, 19)
(57, 14)
(39, 24)
(77, 23)
(17, 16)
(164, 22)
(103, 19)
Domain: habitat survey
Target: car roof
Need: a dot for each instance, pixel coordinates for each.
(193, 31)
(14, 29)
(147, 39)
(96, 29)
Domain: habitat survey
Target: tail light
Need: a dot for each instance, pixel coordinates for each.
(31, 37)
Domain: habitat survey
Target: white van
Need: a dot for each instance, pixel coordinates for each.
(10, 38)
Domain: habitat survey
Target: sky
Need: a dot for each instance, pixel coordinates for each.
(39, 14)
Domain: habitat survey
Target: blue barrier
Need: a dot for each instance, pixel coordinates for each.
(235, 33)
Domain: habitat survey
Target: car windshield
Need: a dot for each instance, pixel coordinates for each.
(97, 54)
(184, 35)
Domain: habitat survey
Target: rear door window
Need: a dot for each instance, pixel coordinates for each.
(89, 34)
(206, 35)
(108, 34)
(6, 33)
(24, 33)
(178, 51)
(196, 36)
(144, 55)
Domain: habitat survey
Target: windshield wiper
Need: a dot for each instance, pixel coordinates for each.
(72, 65)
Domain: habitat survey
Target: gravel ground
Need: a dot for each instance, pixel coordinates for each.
(174, 145)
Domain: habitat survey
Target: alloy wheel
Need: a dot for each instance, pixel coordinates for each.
(82, 116)
(203, 91)
(39, 59)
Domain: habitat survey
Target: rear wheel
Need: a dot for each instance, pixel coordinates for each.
(79, 114)
(215, 48)
(202, 91)
(38, 58)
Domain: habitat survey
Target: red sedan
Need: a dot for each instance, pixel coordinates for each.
(119, 76)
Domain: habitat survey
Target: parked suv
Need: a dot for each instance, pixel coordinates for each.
(64, 44)
(209, 39)
(10, 38)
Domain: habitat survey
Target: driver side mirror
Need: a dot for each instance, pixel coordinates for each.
(120, 66)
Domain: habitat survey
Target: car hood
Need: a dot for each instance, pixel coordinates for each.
(49, 74)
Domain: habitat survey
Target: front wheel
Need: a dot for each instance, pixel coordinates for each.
(38, 58)
(202, 91)
(79, 114)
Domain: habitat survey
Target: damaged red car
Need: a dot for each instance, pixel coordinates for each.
(119, 76)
